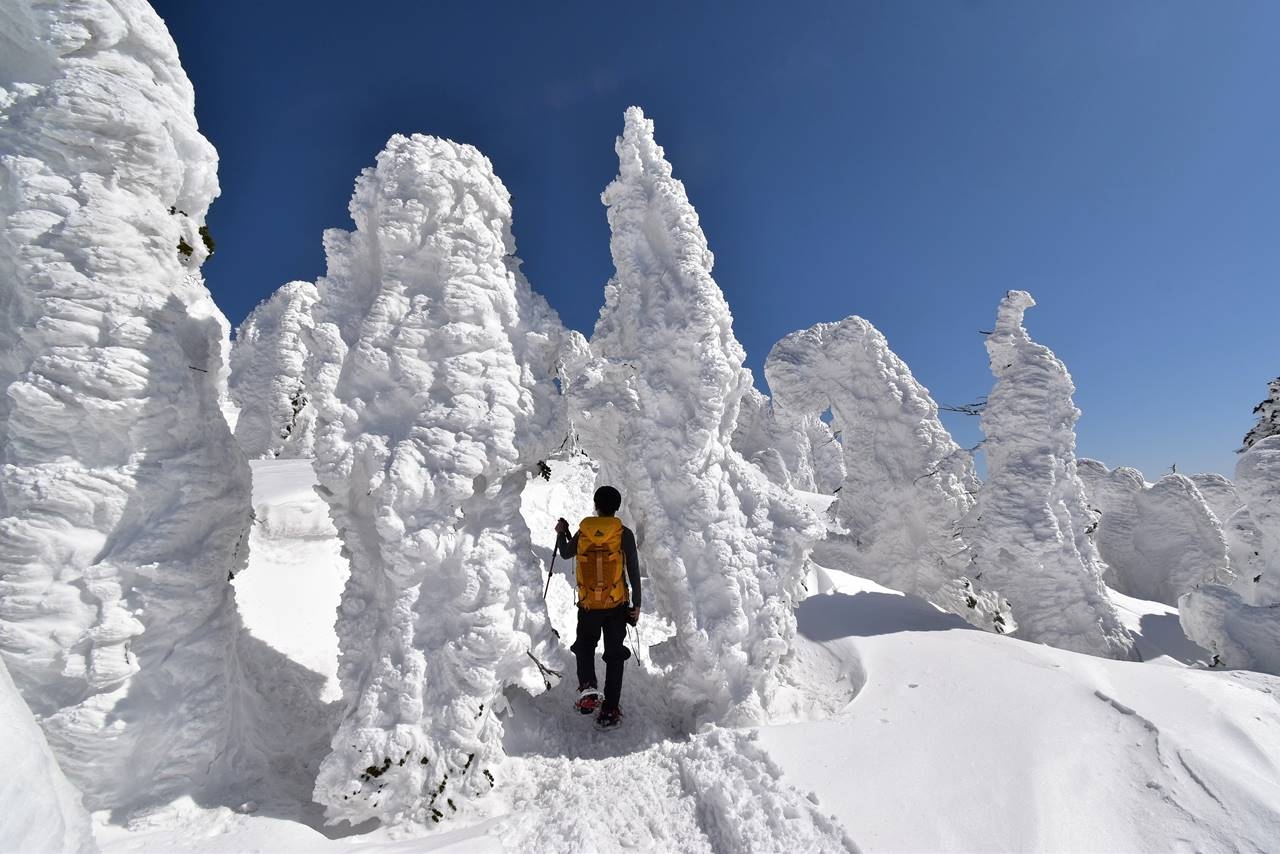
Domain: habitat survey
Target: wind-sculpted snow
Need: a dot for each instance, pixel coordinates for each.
(796, 451)
(124, 500)
(1220, 494)
(42, 811)
(434, 400)
(1241, 624)
(656, 401)
(1159, 541)
(907, 484)
(1031, 523)
(268, 375)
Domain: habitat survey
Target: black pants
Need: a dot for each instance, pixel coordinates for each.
(613, 624)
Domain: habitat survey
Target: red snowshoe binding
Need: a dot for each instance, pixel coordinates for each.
(609, 718)
(589, 698)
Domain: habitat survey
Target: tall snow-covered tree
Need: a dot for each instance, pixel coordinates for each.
(907, 484)
(1268, 413)
(434, 400)
(269, 382)
(656, 401)
(1031, 523)
(124, 503)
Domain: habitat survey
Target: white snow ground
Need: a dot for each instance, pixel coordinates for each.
(929, 735)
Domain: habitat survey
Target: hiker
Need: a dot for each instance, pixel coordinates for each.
(608, 600)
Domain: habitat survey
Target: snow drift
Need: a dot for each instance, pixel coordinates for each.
(1031, 523)
(655, 402)
(907, 484)
(42, 811)
(434, 401)
(124, 500)
(268, 375)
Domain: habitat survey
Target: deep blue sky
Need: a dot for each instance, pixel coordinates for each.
(908, 162)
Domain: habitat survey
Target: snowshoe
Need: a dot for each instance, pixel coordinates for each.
(609, 718)
(588, 700)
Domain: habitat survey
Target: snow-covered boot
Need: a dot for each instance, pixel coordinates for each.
(609, 718)
(589, 698)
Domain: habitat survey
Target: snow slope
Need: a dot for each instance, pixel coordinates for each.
(932, 737)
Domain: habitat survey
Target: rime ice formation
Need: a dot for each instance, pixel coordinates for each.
(656, 403)
(907, 484)
(799, 452)
(124, 500)
(434, 400)
(1268, 413)
(1031, 523)
(1220, 494)
(42, 811)
(1158, 540)
(268, 375)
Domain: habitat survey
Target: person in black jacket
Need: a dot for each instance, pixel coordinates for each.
(610, 621)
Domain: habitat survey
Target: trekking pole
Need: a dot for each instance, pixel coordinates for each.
(552, 570)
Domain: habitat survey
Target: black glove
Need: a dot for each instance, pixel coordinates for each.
(562, 527)
(633, 616)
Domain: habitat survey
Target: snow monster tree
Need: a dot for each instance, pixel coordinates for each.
(1031, 523)
(656, 401)
(434, 401)
(269, 375)
(907, 484)
(123, 500)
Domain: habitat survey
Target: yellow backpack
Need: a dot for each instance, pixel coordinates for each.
(600, 563)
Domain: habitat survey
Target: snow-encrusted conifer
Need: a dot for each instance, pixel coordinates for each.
(1031, 524)
(268, 375)
(124, 500)
(796, 451)
(907, 483)
(434, 400)
(1158, 540)
(1268, 413)
(656, 402)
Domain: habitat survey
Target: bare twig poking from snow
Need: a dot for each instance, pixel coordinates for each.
(794, 450)
(269, 382)
(656, 402)
(907, 484)
(434, 401)
(1031, 537)
(125, 502)
(1158, 540)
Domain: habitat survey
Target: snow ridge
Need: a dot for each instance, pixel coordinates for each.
(655, 401)
(907, 484)
(125, 503)
(1031, 522)
(268, 375)
(434, 400)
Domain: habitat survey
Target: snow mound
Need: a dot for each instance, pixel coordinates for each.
(268, 375)
(1031, 523)
(1219, 493)
(42, 811)
(1159, 540)
(907, 484)
(434, 401)
(655, 402)
(124, 499)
